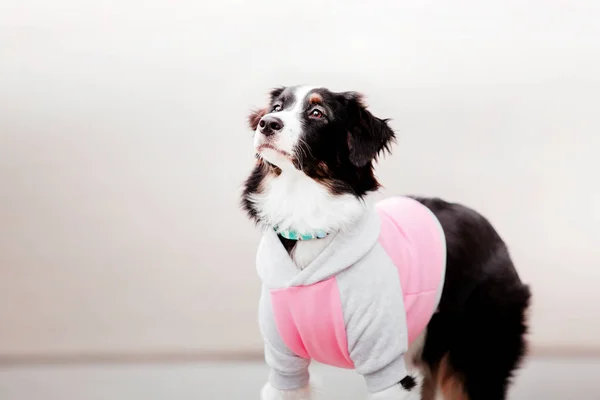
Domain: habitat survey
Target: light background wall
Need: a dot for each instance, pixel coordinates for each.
(123, 146)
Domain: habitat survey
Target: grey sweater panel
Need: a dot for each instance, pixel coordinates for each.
(288, 371)
(373, 309)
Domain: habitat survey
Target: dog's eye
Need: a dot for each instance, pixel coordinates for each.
(316, 113)
(276, 108)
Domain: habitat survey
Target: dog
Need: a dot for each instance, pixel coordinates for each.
(310, 191)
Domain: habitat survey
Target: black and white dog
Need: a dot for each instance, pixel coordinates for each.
(314, 170)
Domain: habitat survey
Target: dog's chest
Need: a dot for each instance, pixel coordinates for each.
(295, 201)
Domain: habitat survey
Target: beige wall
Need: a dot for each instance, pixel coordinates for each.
(123, 145)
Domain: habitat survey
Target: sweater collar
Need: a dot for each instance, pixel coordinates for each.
(277, 269)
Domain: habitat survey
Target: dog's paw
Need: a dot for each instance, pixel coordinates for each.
(395, 392)
(268, 392)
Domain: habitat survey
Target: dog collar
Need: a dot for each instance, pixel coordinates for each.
(291, 234)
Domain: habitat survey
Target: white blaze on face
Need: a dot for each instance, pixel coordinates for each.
(286, 139)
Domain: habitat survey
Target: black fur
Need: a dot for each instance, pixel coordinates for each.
(340, 150)
(481, 321)
(251, 186)
(368, 135)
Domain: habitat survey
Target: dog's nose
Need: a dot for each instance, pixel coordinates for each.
(270, 125)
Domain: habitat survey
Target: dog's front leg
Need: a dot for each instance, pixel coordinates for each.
(402, 391)
(270, 393)
(393, 393)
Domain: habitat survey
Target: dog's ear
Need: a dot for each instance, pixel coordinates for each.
(368, 135)
(255, 116)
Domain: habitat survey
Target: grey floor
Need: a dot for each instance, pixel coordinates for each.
(540, 379)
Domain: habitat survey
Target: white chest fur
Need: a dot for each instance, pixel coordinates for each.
(292, 200)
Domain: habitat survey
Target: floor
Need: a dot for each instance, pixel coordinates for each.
(540, 379)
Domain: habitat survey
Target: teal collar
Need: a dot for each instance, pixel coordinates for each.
(291, 234)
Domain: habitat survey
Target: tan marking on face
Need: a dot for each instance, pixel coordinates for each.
(322, 174)
(315, 98)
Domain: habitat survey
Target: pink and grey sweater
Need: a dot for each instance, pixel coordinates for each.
(360, 303)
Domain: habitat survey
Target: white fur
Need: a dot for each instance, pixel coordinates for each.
(395, 392)
(268, 392)
(287, 139)
(292, 200)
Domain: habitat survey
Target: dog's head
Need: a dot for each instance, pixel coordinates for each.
(329, 137)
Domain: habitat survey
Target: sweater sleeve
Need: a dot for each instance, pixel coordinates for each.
(288, 370)
(375, 319)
